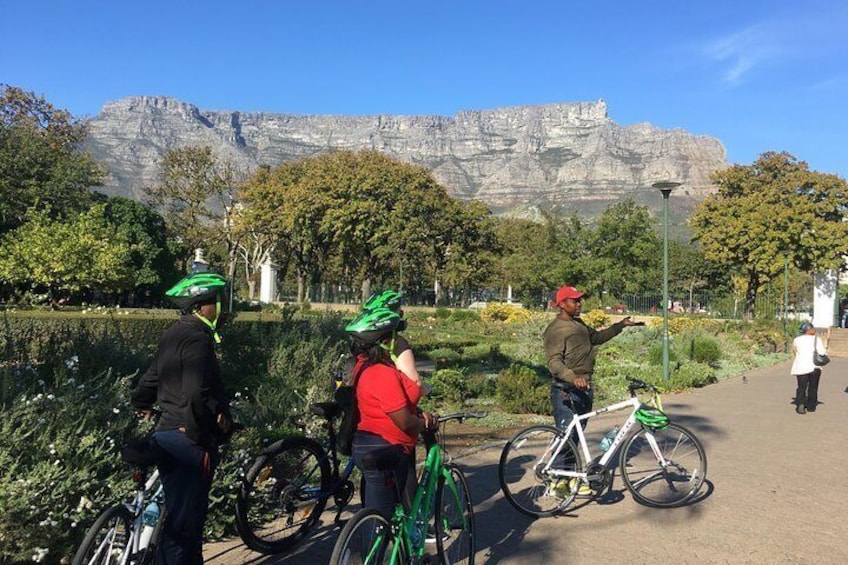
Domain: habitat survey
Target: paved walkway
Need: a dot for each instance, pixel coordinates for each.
(776, 491)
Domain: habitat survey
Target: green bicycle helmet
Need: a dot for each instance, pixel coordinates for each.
(652, 418)
(384, 299)
(373, 326)
(196, 289)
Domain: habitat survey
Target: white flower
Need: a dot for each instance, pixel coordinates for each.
(40, 554)
(72, 362)
(116, 411)
(84, 504)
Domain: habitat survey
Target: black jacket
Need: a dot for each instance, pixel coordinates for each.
(185, 379)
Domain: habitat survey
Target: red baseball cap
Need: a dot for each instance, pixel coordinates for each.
(566, 292)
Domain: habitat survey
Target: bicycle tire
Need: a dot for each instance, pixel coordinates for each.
(455, 539)
(520, 475)
(651, 484)
(108, 539)
(366, 538)
(277, 506)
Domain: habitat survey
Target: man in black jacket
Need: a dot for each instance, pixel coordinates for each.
(185, 380)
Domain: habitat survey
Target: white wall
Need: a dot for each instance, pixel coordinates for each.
(824, 299)
(268, 283)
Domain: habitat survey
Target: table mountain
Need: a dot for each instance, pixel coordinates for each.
(570, 155)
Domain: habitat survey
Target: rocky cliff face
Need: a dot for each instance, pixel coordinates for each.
(562, 155)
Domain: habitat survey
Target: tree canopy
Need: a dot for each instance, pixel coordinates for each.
(772, 210)
(40, 160)
(363, 217)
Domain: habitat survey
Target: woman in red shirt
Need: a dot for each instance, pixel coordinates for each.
(388, 406)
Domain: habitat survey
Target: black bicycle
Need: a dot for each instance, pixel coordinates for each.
(288, 485)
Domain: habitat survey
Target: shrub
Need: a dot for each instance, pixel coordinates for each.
(449, 386)
(521, 391)
(443, 356)
(655, 354)
(442, 313)
(507, 313)
(704, 349)
(460, 315)
(688, 375)
(596, 318)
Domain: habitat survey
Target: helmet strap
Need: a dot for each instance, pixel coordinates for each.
(390, 347)
(213, 325)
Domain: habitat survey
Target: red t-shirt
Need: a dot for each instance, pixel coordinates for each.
(382, 389)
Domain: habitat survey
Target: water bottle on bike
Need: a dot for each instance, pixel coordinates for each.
(149, 519)
(606, 441)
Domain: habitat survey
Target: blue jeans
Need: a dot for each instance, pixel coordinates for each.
(186, 471)
(566, 403)
(380, 493)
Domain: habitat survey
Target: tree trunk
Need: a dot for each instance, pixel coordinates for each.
(251, 289)
(300, 288)
(366, 289)
(751, 294)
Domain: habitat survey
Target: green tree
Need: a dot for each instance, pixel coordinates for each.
(64, 257)
(40, 161)
(769, 210)
(153, 255)
(362, 217)
(626, 249)
(198, 195)
(525, 260)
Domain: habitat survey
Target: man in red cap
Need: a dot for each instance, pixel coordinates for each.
(570, 353)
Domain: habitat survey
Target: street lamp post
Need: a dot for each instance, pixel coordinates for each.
(665, 187)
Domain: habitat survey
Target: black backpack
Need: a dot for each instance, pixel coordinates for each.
(346, 398)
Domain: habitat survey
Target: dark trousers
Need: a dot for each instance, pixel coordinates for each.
(568, 403)
(379, 492)
(807, 393)
(186, 471)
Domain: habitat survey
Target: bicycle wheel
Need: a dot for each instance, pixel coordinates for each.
(283, 495)
(108, 539)
(454, 519)
(366, 538)
(521, 471)
(675, 483)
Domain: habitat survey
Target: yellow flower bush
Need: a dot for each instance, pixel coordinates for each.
(506, 313)
(596, 318)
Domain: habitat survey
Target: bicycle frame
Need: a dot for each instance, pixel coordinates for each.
(316, 492)
(576, 427)
(136, 507)
(411, 526)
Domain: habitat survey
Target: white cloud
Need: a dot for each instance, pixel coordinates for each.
(814, 36)
(742, 51)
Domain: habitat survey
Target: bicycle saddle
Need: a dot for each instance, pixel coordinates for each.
(142, 453)
(328, 410)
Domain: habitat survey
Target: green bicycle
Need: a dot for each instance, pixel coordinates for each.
(372, 538)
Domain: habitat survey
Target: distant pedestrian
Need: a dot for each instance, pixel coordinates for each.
(805, 371)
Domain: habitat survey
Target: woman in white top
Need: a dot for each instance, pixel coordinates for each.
(806, 395)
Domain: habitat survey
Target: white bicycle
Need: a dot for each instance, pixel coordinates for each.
(129, 533)
(662, 464)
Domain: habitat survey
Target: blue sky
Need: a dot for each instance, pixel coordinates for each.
(757, 75)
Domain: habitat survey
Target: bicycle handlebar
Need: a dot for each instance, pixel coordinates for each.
(462, 416)
(639, 384)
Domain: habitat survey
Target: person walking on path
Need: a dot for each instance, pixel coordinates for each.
(570, 354)
(805, 371)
